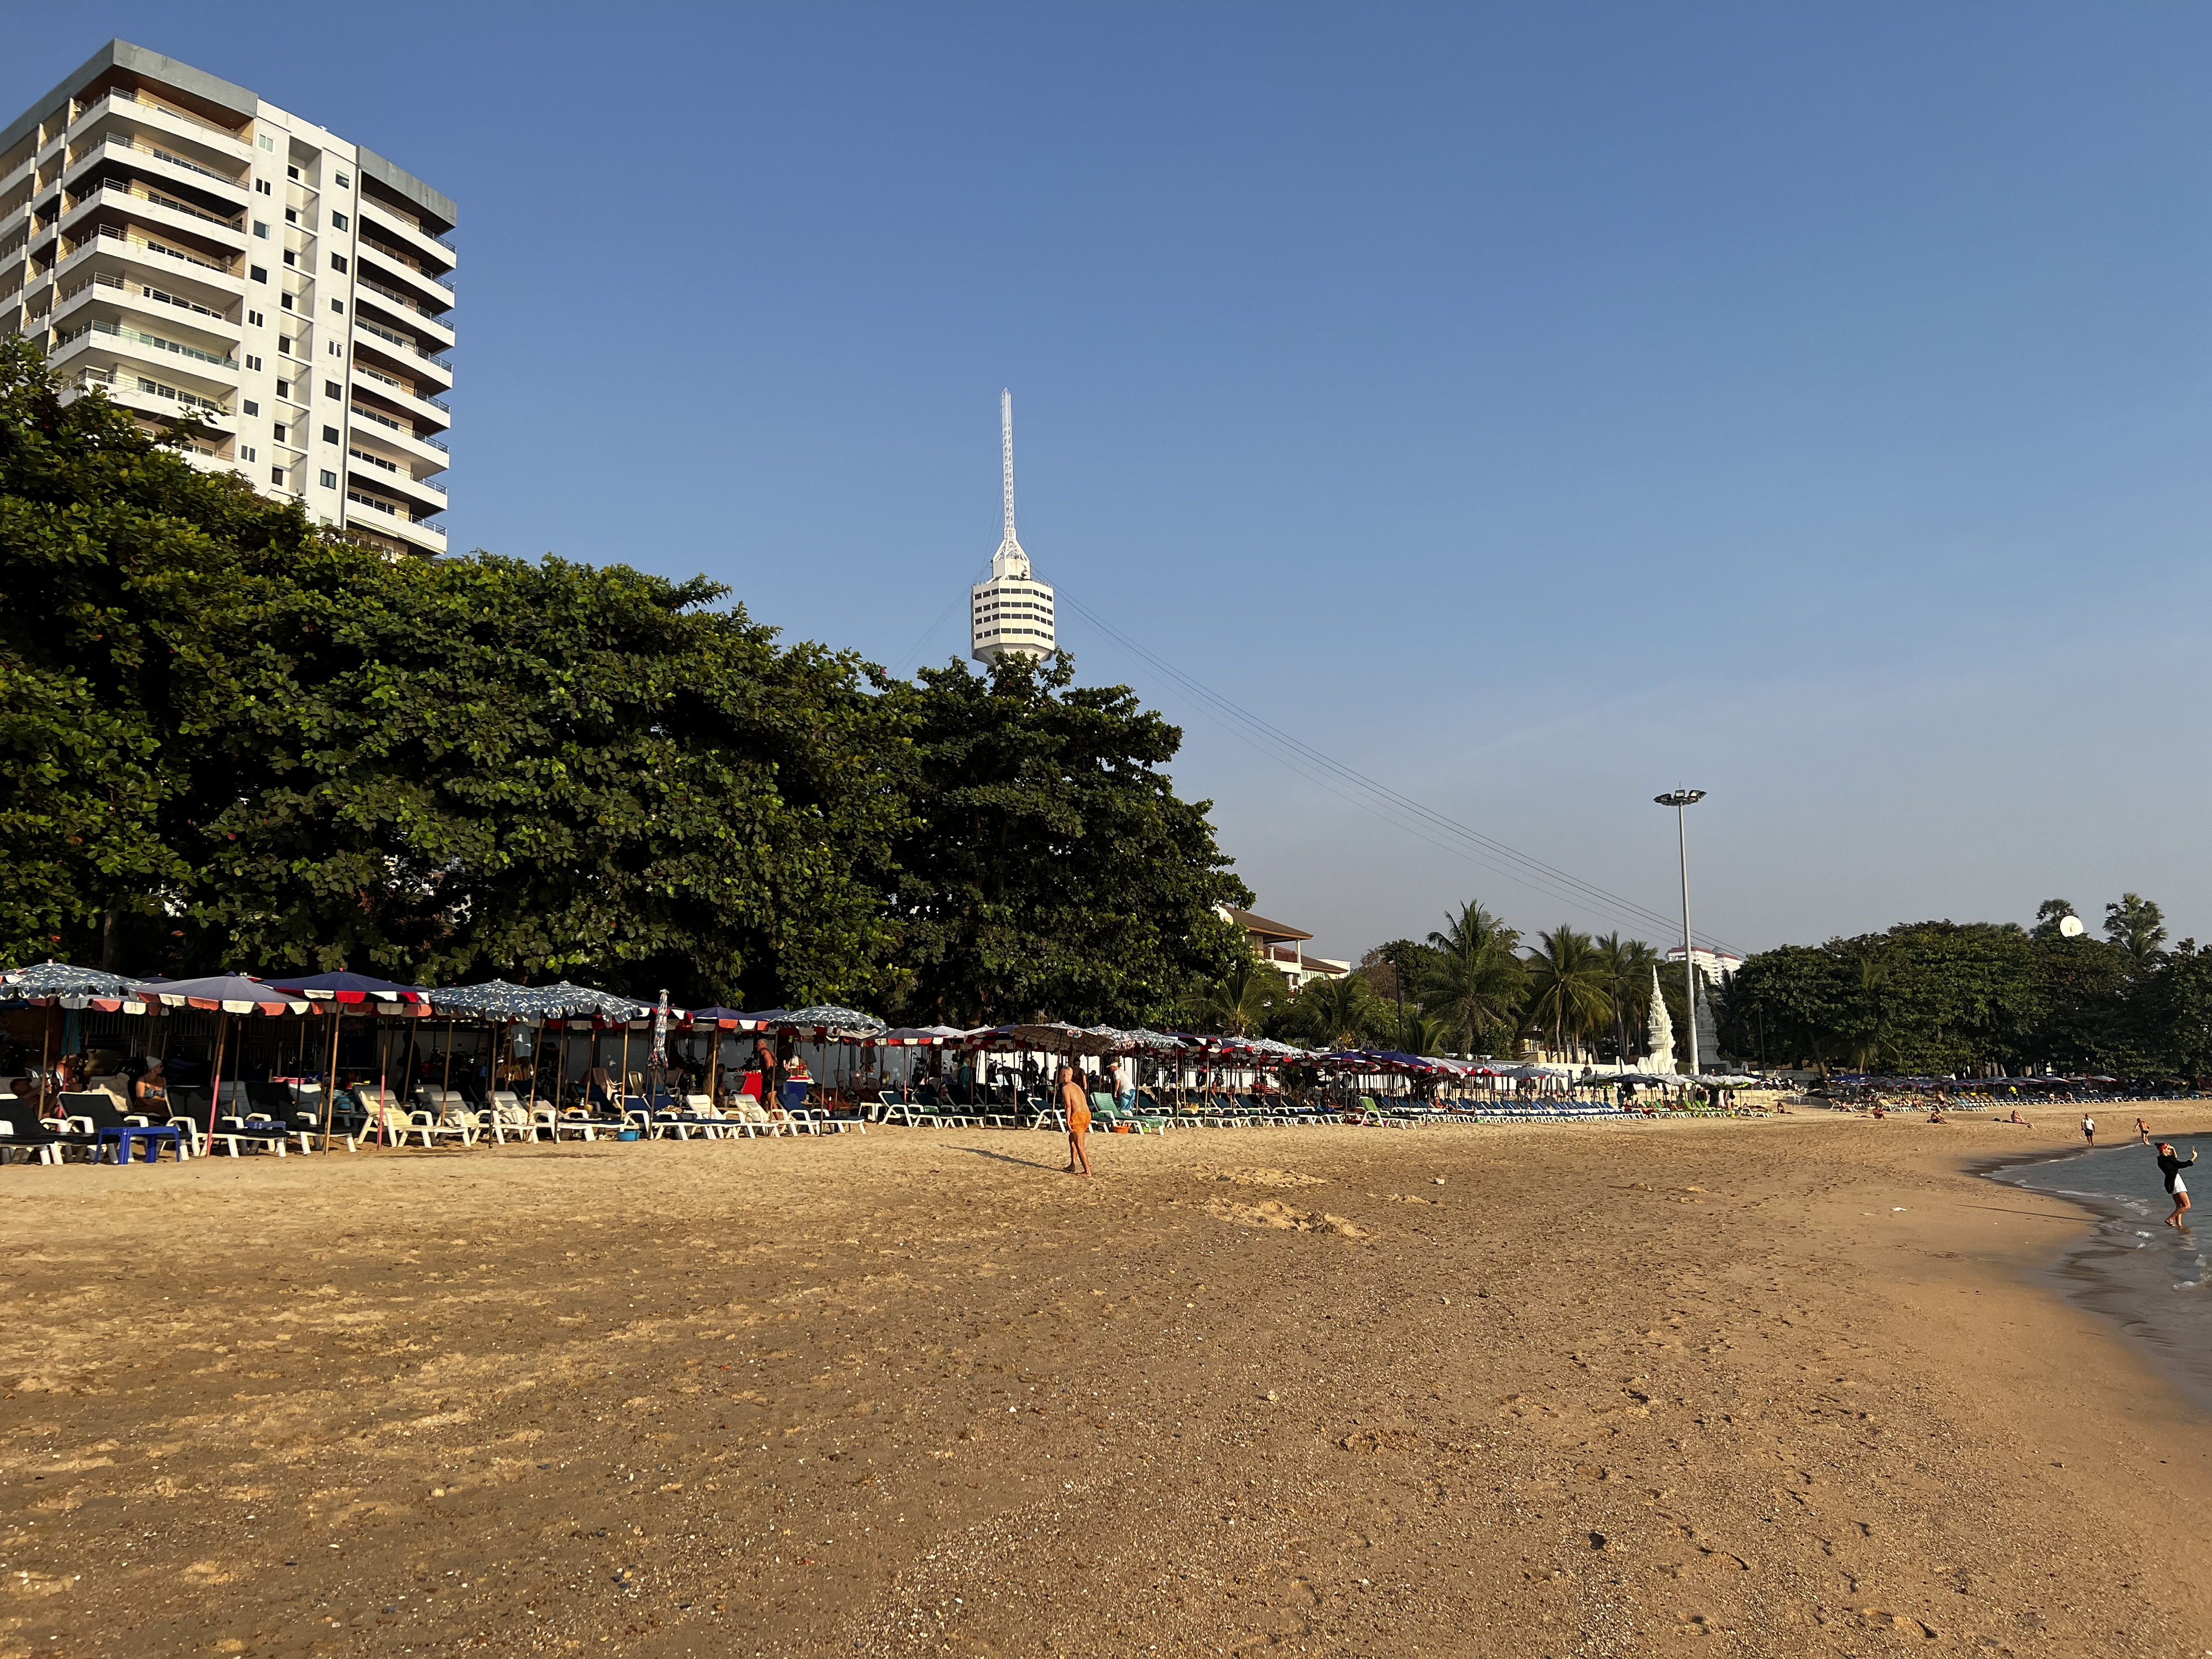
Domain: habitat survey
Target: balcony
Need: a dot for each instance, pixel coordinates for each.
(151, 113)
(367, 469)
(138, 296)
(405, 307)
(393, 520)
(145, 393)
(374, 346)
(179, 272)
(137, 197)
(398, 274)
(434, 254)
(137, 153)
(401, 439)
(189, 239)
(379, 386)
(123, 334)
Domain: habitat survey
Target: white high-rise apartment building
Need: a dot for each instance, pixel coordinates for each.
(193, 251)
(1011, 612)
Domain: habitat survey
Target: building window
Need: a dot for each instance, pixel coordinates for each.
(276, 476)
(251, 407)
(265, 187)
(283, 346)
(291, 173)
(285, 300)
(283, 388)
(283, 433)
(261, 273)
(332, 389)
(339, 221)
(254, 319)
(329, 435)
(339, 264)
(330, 479)
(344, 183)
(290, 258)
(291, 215)
(334, 349)
(269, 145)
(246, 452)
(261, 228)
(253, 363)
(339, 306)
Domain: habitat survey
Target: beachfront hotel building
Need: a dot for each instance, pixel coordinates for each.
(1011, 612)
(195, 252)
(1282, 948)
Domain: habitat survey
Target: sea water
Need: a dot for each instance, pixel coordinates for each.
(2148, 1278)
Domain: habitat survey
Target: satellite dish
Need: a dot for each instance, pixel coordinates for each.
(2069, 926)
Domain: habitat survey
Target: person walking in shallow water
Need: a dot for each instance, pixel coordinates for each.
(1077, 1105)
(2170, 1169)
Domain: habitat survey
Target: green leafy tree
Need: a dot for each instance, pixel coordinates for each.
(2048, 916)
(114, 552)
(1568, 998)
(1050, 869)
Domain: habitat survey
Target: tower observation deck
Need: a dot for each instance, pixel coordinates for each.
(1011, 612)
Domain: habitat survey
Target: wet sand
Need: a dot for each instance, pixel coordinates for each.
(1795, 1387)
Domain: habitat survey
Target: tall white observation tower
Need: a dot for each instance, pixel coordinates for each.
(1012, 612)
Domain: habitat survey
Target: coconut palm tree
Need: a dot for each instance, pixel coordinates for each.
(1238, 1004)
(1340, 1012)
(1476, 983)
(1628, 965)
(1567, 986)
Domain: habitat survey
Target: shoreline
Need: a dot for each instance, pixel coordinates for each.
(1606, 1384)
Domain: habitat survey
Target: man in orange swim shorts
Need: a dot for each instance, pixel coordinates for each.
(1077, 1105)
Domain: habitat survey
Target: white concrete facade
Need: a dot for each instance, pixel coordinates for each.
(193, 251)
(1013, 611)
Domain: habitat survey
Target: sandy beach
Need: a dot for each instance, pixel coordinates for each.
(1792, 1387)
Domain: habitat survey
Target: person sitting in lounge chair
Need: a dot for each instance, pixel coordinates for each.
(150, 1095)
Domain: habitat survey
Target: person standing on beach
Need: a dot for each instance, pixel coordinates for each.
(2088, 1128)
(2170, 1169)
(1077, 1105)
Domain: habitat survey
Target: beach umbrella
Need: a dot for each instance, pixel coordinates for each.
(827, 1019)
(52, 981)
(225, 995)
(351, 989)
(340, 991)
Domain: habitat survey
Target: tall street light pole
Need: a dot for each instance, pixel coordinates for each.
(1679, 799)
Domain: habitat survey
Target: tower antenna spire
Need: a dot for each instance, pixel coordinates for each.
(1006, 451)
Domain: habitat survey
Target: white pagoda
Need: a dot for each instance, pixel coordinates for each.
(1659, 1032)
(1011, 612)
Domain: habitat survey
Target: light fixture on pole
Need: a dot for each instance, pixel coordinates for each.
(1679, 799)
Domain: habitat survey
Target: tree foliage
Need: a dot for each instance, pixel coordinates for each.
(1938, 997)
(236, 742)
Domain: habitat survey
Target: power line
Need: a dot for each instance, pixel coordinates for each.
(1402, 811)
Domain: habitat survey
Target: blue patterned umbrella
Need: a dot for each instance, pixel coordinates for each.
(496, 999)
(822, 1020)
(73, 988)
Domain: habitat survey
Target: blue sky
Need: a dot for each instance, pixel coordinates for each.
(1533, 407)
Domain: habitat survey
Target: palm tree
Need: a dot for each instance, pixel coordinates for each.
(1338, 1013)
(1628, 965)
(1567, 985)
(1476, 984)
(1239, 1003)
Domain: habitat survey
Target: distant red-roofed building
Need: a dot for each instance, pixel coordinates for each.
(1281, 947)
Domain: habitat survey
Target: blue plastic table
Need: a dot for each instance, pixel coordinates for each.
(152, 1136)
